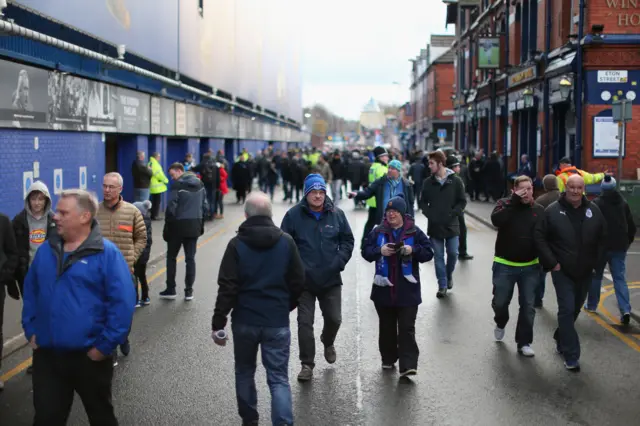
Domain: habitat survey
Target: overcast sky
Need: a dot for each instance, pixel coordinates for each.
(356, 49)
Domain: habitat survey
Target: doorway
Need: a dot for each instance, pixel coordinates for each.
(111, 153)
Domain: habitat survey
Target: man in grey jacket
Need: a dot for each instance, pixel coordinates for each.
(184, 224)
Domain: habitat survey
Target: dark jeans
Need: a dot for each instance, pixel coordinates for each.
(173, 248)
(541, 288)
(331, 307)
(2, 297)
(57, 375)
(140, 273)
(219, 203)
(571, 294)
(397, 338)
(371, 222)
(287, 188)
(211, 199)
(504, 280)
(274, 344)
(156, 200)
(462, 241)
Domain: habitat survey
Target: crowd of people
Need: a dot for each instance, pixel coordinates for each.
(81, 268)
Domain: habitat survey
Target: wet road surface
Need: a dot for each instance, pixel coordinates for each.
(175, 375)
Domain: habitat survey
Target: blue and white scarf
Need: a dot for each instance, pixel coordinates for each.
(381, 278)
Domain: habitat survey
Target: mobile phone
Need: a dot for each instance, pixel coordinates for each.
(398, 246)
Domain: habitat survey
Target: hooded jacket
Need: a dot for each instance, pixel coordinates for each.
(621, 230)
(79, 300)
(550, 183)
(403, 293)
(261, 277)
(184, 217)
(30, 231)
(377, 190)
(442, 202)
(325, 244)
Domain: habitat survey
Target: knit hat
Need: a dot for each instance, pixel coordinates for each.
(398, 204)
(143, 206)
(395, 164)
(565, 160)
(379, 151)
(608, 184)
(314, 182)
(452, 161)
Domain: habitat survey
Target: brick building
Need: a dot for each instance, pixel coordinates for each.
(547, 97)
(432, 79)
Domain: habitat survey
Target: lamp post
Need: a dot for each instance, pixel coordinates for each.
(527, 95)
(565, 88)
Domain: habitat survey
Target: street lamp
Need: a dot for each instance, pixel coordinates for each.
(307, 115)
(565, 88)
(527, 95)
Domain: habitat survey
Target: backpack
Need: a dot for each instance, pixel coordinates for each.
(208, 171)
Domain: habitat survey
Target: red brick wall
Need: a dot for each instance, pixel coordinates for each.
(615, 18)
(611, 57)
(445, 78)
(630, 163)
(542, 24)
(514, 39)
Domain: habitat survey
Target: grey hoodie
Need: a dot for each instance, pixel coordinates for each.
(37, 226)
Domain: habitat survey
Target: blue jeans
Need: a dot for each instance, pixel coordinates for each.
(571, 294)
(211, 200)
(445, 272)
(541, 288)
(274, 346)
(616, 260)
(140, 194)
(505, 278)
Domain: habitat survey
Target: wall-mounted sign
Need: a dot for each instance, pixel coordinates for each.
(613, 76)
(523, 76)
(489, 52)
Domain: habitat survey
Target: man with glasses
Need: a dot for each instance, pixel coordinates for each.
(122, 224)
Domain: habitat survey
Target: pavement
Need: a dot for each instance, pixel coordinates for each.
(176, 375)
(13, 335)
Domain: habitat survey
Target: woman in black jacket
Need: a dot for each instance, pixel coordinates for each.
(140, 267)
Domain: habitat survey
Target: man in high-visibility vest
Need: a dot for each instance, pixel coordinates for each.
(158, 185)
(566, 170)
(377, 170)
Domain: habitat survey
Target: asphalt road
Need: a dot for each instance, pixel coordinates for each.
(175, 375)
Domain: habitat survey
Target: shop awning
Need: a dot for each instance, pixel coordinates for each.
(561, 65)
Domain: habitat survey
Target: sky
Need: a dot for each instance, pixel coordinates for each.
(354, 50)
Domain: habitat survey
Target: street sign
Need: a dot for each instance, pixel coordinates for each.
(622, 110)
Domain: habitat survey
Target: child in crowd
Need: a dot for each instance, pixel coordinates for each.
(140, 268)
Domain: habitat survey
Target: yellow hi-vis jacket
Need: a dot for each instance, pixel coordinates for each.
(564, 174)
(159, 180)
(376, 171)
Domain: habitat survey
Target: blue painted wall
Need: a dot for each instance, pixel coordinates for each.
(57, 150)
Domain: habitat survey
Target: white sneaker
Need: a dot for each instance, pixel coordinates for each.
(526, 351)
(387, 366)
(498, 333)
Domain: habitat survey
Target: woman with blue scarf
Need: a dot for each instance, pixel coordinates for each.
(397, 246)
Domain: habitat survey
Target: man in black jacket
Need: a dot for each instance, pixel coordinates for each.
(141, 178)
(463, 254)
(621, 230)
(324, 238)
(210, 176)
(183, 225)
(516, 261)
(8, 264)
(571, 241)
(442, 202)
(261, 279)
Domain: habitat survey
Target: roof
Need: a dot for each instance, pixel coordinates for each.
(445, 58)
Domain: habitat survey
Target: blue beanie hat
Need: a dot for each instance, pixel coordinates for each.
(314, 182)
(397, 203)
(395, 164)
(608, 183)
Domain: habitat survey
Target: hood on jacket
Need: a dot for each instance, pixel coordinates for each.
(41, 187)
(612, 197)
(144, 207)
(189, 180)
(550, 183)
(259, 232)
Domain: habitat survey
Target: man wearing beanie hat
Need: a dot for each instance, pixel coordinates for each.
(377, 170)
(325, 241)
(385, 188)
(397, 245)
(621, 230)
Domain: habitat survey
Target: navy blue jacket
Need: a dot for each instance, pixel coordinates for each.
(325, 245)
(403, 293)
(184, 217)
(261, 276)
(84, 301)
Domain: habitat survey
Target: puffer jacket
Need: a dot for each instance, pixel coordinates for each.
(124, 226)
(184, 217)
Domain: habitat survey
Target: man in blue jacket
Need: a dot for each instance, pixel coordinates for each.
(325, 241)
(78, 307)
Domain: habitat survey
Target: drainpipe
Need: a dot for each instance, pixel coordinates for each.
(505, 159)
(577, 158)
(547, 90)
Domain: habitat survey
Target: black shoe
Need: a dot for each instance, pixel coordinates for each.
(30, 369)
(537, 305)
(168, 294)
(188, 294)
(442, 292)
(626, 319)
(449, 283)
(465, 256)
(125, 348)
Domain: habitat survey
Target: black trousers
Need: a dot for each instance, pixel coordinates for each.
(57, 375)
(173, 248)
(371, 222)
(397, 336)
(140, 272)
(2, 297)
(156, 200)
(462, 247)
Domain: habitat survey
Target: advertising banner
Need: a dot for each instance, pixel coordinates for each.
(68, 101)
(23, 96)
(208, 123)
(181, 119)
(193, 120)
(222, 124)
(156, 116)
(132, 112)
(102, 108)
(168, 115)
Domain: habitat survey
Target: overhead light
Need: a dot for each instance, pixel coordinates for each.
(527, 95)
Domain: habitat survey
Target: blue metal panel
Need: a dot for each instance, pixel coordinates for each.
(593, 89)
(176, 149)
